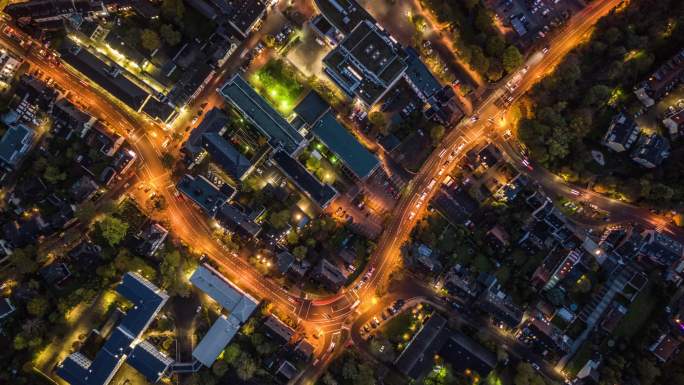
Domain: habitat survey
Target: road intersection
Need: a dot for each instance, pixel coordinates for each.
(338, 317)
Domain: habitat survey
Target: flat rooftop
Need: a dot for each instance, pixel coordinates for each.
(366, 63)
(217, 338)
(100, 72)
(204, 193)
(344, 15)
(336, 137)
(257, 110)
(225, 293)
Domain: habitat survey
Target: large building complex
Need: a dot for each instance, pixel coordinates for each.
(125, 343)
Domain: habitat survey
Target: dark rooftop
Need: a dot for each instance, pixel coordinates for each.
(311, 108)
(204, 193)
(343, 14)
(100, 72)
(318, 192)
(223, 153)
(336, 137)
(256, 109)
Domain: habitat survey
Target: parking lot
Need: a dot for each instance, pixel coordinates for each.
(530, 20)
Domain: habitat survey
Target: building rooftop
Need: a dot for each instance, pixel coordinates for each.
(204, 193)
(225, 293)
(217, 338)
(336, 137)
(319, 193)
(149, 361)
(147, 300)
(311, 108)
(651, 150)
(6, 307)
(101, 73)
(257, 110)
(244, 14)
(366, 63)
(278, 328)
(343, 14)
(420, 78)
(623, 131)
(226, 155)
(15, 143)
(662, 249)
(465, 354)
(235, 219)
(421, 348)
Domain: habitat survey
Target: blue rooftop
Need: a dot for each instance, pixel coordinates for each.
(146, 298)
(15, 143)
(257, 110)
(149, 361)
(336, 137)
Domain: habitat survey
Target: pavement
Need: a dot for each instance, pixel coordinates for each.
(330, 316)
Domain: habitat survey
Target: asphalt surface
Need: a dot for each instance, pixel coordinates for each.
(333, 317)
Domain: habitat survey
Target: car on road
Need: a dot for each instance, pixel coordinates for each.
(535, 366)
(575, 192)
(375, 322)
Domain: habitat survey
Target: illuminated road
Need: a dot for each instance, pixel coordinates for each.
(334, 315)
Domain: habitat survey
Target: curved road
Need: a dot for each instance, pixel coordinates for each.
(330, 316)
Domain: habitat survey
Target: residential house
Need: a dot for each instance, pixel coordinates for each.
(151, 237)
(661, 249)
(555, 267)
(286, 371)
(83, 189)
(674, 122)
(662, 81)
(55, 273)
(204, 193)
(622, 133)
(665, 347)
(8, 65)
(6, 308)
(277, 330)
(424, 258)
(15, 144)
(651, 150)
(232, 217)
(329, 275)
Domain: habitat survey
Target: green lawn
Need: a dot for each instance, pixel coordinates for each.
(638, 313)
(580, 358)
(277, 82)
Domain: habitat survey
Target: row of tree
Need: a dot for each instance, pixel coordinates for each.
(568, 112)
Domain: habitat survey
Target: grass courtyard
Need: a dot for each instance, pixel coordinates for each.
(278, 82)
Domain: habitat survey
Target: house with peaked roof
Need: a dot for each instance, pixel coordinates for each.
(622, 133)
(651, 150)
(14, 145)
